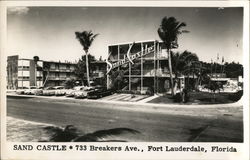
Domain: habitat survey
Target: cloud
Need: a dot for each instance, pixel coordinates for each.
(18, 10)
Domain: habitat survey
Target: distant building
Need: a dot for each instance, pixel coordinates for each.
(25, 72)
(56, 73)
(98, 72)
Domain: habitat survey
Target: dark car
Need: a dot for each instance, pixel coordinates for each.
(99, 92)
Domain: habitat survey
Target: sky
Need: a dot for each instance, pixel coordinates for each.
(49, 32)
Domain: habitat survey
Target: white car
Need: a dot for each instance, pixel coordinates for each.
(31, 90)
(21, 90)
(48, 91)
(60, 90)
(83, 92)
(71, 92)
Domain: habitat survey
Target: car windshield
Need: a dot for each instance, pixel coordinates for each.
(60, 88)
(49, 88)
(78, 88)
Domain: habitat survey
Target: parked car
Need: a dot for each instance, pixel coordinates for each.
(99, 93)
(21, 90)
(48, 91)
(82, 93)
(60, 90)
(71, 92)
(31, 90)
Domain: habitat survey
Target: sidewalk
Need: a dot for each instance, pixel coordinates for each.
(139, 103)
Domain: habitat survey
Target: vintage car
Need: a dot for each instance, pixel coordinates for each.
(71, 92)
(48, 91)
(31, 90)
(60, 90)
(82, 93)
(99, 93)
(21, 90)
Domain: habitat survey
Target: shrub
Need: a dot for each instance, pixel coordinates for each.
(178, 97)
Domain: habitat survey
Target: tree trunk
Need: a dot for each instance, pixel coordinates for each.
(47, 76)
(87, 68)
(170, 72)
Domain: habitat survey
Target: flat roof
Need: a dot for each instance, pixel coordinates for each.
(144, 41)
(61, 62)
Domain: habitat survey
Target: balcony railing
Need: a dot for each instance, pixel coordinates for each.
(149, 73)
(58, 78)
(61, 69)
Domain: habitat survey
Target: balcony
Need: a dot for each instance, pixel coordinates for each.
(60, 70)
(98, 74)
(149, 73)
(58, 78)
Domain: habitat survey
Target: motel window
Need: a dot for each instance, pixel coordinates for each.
(39, 74)
(67, 66)
(23, 83)
(62, 66)
(24, 73)
(23, 63)
(52, 66)
(62, 74)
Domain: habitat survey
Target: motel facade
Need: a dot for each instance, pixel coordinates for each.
(144, 64)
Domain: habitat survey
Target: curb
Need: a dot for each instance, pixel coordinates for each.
(236, 104)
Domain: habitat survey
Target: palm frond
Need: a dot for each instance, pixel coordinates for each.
(169, 30)
(62, 134)
(86, 38)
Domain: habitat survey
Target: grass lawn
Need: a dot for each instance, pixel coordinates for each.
(197, 98)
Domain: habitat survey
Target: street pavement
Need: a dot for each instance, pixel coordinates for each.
(211, 123)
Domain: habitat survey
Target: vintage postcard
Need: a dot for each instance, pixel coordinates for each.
(124, 79)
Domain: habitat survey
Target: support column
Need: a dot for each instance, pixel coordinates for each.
(141, 67)
(118, 59)
(107, 66)
(154, 68)
(107, 79)
(129, 77)
(118, 52)
(157, 78)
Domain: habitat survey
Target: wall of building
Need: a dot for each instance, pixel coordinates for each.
(148, 70)
(25, 73)
(12, 72)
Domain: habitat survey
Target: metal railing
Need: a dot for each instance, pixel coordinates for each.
(150, 72)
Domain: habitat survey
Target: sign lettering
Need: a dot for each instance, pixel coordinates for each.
(129, 57)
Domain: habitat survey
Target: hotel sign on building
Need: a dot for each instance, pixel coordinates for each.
(143, 65)
(128, 58)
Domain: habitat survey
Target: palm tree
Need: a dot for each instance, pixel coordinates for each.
(184, 63)
(86, 39)
(46, 68)
(81, 64)
(169, 31)
(190, 60)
